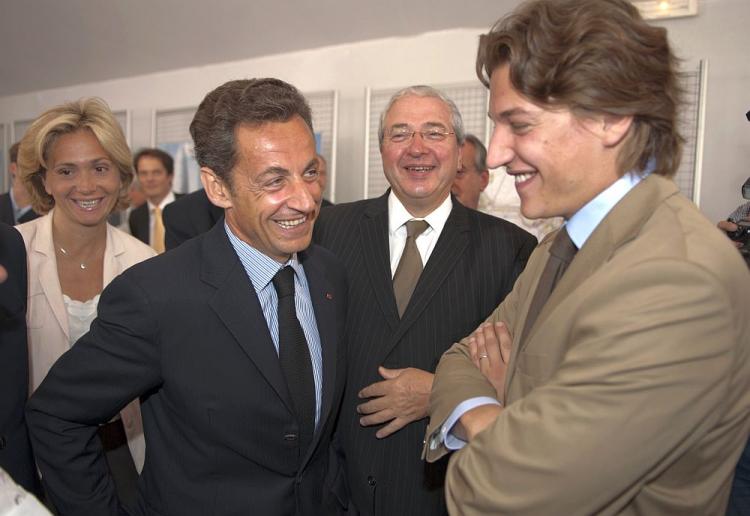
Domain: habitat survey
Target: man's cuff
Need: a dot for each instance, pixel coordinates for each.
(447, 437)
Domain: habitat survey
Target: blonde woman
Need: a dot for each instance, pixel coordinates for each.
(77, 166)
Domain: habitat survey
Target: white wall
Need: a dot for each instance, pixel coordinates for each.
(718, 35)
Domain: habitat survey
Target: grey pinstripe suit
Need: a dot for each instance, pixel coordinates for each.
(473, 266)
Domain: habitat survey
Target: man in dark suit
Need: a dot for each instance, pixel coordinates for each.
(155, 171)
(396, 338)
(15, 449)
(15, 205)
(233, 341)
(189, 216)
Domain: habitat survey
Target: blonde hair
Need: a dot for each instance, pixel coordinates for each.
(87, 113)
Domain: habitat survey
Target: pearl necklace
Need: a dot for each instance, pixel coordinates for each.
(64, 252)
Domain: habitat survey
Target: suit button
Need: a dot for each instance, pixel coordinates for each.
(371, 481)
(3, 442)
(290, 437)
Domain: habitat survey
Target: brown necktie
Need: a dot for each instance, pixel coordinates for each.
(561, 253)
(409, 267)
(158, 242)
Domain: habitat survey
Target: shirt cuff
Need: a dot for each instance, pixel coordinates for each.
(446, 432)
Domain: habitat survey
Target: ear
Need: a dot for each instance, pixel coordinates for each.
(460, 158)
(614, 129)
(216, 190)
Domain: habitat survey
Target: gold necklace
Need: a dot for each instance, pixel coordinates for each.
(64, 252)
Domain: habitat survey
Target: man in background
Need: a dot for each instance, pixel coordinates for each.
(422, 270)
(154, 169)
(473, 176)
(15, 205)
(323, 176)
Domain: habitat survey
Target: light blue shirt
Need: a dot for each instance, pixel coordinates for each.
(580, 227)
(260, 270)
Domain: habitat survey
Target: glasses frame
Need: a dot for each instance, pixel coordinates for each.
(409, 134)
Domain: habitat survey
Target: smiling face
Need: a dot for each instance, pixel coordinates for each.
(559, 162)
(82, 179)
(275, 193)
(420, 171)
(155, 181)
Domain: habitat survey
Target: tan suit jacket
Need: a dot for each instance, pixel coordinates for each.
(631, 393)
(48, 319)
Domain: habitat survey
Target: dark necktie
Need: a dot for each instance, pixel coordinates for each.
(409, 267)
(294, 357)
(561, 253)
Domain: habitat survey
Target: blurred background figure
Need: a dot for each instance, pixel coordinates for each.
(323, 179)
(77, 166)
(15, 205)
(155, 171)
(473, 175)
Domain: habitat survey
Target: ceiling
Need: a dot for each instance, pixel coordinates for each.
(53, 43)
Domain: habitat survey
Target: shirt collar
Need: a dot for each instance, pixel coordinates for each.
(260, 267)
(398, 215)
(583, 222)
(169, 198)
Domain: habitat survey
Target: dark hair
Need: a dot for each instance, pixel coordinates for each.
(593, 57)
(243, 102)
(164, 157)
(13, 152)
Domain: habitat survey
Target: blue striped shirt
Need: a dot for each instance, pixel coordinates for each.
(260, 270)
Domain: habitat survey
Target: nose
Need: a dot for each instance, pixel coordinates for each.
(417, 145)
(304, 195)
(86, 182)
(500, 150)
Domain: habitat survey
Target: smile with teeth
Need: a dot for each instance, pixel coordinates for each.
(289, 224)
(88, 204)
(520, 178)
(419, 168)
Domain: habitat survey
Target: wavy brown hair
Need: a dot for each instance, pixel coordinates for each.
(594, 57)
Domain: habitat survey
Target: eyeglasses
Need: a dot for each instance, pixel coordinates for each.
(430, 135)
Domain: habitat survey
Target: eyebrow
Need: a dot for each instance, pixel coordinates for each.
(284, 171)
(508, 113)
(75, 164)
(426, 124)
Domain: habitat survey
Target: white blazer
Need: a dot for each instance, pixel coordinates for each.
(47, 317)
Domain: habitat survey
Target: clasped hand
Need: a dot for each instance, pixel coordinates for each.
(490, 347)
(402, 397)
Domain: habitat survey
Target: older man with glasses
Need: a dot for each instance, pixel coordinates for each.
(422, 270)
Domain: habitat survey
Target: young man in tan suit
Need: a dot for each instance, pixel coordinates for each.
(627, 389)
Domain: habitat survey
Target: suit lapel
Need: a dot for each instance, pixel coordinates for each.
(48, 278)
(236, 304)
(324, 306)
(375, 247)
(450, 246)
(112, 250)
(321, 294)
